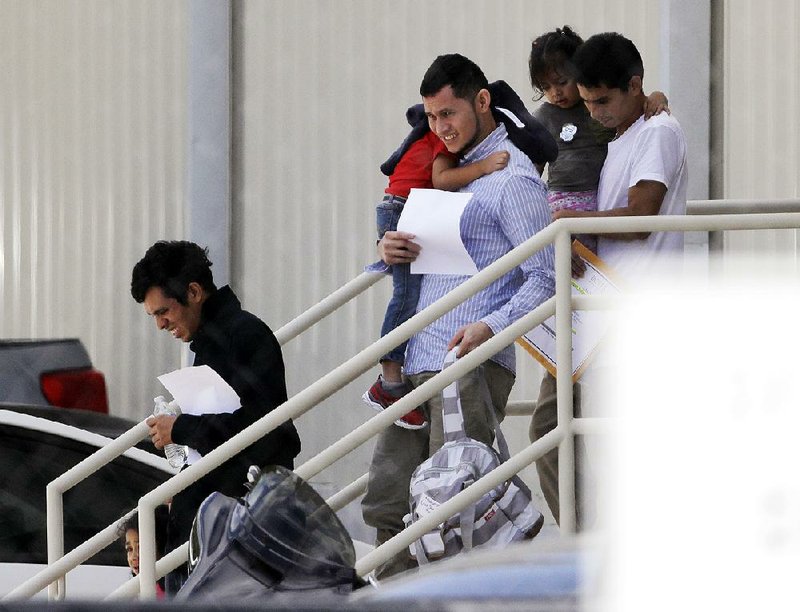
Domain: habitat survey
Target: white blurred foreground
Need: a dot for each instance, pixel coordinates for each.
(703, 504)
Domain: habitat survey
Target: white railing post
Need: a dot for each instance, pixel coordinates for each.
(147, 548)
(55, 497)
(564, 399)
(55, 537)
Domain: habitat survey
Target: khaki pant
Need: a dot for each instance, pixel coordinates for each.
(545, 419)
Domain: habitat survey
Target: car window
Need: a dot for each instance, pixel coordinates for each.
(30, 460)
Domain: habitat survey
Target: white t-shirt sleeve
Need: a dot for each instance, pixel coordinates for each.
(658, 155)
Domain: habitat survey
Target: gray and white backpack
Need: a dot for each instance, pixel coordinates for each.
(505, 514)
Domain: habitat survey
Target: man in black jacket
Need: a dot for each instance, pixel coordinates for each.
(174, 282)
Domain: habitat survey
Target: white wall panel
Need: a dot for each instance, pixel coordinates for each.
(92, 172)
(321, 88)
(762, 110)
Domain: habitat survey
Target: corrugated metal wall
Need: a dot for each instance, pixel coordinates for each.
(762, 113)
(321, 90)
(93, 164)
(92, 169)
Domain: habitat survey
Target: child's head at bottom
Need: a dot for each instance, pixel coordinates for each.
(129, 534)
(130, 538)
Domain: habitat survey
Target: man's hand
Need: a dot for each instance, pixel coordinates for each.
(396, 247)
(566, 213)
(578, 265)
(469, 337)
(161, 429)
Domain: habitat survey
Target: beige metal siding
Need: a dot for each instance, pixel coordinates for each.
(762, 113)
(94, 162)
(92, 167)
(321, 91)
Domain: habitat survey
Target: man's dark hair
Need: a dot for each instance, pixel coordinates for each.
(172, 266)
(455, 70)
(552, 52)
(608, 59)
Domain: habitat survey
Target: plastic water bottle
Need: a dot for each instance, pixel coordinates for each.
(176, 454)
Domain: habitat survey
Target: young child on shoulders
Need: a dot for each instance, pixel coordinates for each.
(572, 179)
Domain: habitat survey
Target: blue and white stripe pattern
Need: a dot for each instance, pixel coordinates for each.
(508, 207)
(502, 515)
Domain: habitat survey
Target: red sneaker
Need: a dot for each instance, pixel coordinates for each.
(413, 420)
(378, 398)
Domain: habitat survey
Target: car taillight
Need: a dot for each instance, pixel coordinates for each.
(84, 389)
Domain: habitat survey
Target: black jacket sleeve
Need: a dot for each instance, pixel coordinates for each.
(250, 360)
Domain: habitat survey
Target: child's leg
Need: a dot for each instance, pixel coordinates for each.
(392, 371)
(401, 308)
(575, 200)
(390, 385)
(387, 214)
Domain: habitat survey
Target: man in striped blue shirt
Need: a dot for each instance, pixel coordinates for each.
(508, 207)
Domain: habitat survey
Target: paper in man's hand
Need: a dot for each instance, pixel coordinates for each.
(434, 217)
(200, 390)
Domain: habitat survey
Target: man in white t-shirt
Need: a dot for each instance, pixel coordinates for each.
(645, 170)
(644, 174)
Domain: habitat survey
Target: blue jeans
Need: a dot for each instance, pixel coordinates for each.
(405, 286)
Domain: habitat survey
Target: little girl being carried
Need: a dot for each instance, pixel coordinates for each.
(573, 177)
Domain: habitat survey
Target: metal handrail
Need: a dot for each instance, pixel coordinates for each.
(57, 488)
(563, 435)
(55, 508)
(351, 492)
(333, 380)
(327, 305)
(737, 207)
(319, 391)
(562, 229)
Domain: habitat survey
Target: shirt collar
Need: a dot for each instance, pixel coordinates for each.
(487, 145)
(221, 301)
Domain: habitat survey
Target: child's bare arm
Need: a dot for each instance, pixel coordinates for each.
(450, 177)
(656, 103)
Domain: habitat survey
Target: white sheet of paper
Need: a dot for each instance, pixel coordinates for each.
(434, 217)
(200, 390)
